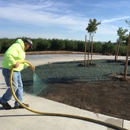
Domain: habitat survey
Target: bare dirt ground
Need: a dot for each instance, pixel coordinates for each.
(106, 97)
(109, 97)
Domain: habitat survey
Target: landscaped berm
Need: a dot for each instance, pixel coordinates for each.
(100, 88)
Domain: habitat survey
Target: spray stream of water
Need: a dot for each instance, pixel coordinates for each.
(38, 85)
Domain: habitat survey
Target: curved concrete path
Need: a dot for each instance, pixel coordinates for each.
(22, 119)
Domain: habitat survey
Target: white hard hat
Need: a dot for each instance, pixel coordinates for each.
(29, 41)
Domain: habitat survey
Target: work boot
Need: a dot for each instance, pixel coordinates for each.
(5, 105)
(17, 107)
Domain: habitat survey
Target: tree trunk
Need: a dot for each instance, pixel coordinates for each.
(91, 48)
(85, 50)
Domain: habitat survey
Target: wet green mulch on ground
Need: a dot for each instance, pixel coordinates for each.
(76, 71)
(91, 88)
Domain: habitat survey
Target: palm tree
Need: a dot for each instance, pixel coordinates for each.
(91, 28)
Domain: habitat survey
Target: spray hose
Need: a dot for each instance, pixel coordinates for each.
(59, 114)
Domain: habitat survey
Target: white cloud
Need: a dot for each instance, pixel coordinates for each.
(57, 14)
(39, 15)
(115, 19)
(111, 4)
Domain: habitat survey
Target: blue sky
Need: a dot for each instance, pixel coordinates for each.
(62, 19)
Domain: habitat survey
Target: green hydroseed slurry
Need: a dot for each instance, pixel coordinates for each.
(38, 84)
(32, 83)
(69, 71)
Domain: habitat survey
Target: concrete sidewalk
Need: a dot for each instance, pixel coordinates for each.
(22, 119)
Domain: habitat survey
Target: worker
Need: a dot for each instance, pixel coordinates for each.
(12, 57)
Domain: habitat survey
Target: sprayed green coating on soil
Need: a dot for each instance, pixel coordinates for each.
(73, 71)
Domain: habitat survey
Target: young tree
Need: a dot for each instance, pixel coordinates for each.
(91, 28)
(127, 54)
(128, 22)
(122, 34)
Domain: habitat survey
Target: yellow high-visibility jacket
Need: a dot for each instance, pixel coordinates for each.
(14, 53)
